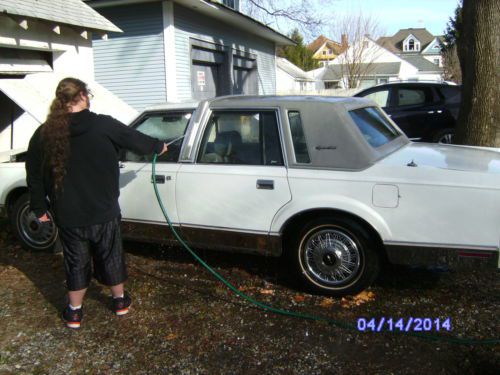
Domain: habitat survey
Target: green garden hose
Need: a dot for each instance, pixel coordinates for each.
(453, 340)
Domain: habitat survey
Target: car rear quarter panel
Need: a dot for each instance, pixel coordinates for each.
(432, 207)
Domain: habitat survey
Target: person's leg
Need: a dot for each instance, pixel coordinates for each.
(117, 290)
(109, 262)
(78, 272)
(76, 297)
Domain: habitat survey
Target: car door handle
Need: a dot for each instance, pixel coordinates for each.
(160, 179)
(121, 165)
(430, 112)
(265, 184)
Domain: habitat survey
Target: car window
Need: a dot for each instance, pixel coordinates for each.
(234, 137)
(166, 127)
(452, 94)
(413, 96)
(298, 138)
(376, 129)
(380, 97)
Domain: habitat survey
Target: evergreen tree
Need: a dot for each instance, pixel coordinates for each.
(298, 54)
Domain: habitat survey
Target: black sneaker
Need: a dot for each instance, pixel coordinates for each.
(121, 305)
(73, 318)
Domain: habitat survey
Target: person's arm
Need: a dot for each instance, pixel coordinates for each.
(34, 177)
(131, 139)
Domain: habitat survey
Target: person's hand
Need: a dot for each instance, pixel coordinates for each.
(165, 149)
(44, 219)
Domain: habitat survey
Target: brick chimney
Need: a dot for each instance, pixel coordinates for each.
(343, 42)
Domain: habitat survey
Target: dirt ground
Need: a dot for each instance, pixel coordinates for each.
(183, 321)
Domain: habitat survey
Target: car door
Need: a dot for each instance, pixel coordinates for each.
(239, 180)
(414, 110)
(137, 198)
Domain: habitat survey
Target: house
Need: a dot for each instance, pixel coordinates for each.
(292, 79)
(42, 41)
(180, 50)
(408, 43)
(368, 62)
(326, 50)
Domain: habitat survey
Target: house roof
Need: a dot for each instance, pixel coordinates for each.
(69, 12)
(333, 72)
(321, 40)
(395, 43)
(218, 11)
(292, 69)
(422, 64)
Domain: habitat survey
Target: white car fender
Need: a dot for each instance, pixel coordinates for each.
(334, 202)
(14, 178)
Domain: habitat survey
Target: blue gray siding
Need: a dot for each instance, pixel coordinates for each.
(189, 24)
(132, 64)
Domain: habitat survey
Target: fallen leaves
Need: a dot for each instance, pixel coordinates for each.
(327, 302)
(357, 300)
(171, 336)
(299, 298)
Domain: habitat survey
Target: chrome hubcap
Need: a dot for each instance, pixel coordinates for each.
(35, 233)
(331, 257)
(446, 138)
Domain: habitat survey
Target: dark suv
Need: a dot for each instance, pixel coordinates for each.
(424, 111)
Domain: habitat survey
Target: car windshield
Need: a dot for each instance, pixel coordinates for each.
(376, 129)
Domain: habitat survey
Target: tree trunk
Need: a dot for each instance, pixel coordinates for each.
(478, 50)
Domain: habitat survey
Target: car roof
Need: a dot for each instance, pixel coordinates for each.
(277, 100)
(172, 106)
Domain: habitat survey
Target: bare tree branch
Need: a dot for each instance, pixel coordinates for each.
(283, 14)
(358, 34)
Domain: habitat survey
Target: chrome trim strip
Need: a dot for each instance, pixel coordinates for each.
(196, 226)
(444, 246)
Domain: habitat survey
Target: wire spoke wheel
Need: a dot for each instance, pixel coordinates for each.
(331, 257)
(33, 234)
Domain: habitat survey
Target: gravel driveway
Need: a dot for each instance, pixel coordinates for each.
(185, 322)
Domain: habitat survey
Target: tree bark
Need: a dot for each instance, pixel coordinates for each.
(478, 50)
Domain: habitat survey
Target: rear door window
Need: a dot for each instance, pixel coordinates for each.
(373, 125)
(381, 97)
(241, 137)
(413, 96)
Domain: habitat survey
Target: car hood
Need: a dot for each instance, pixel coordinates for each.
(452, 157)
(6, 156)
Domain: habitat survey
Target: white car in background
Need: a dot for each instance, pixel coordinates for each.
(330, 184)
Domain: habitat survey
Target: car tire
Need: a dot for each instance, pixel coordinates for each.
(348, 264)
(444, 136)
(33, 235)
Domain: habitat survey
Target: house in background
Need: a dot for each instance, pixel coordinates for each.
(326, 50)
(180, 50)
(292, 79)
(42, 41)
(376, 64)
(415, 44)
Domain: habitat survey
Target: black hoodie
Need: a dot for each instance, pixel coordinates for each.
(91, 184)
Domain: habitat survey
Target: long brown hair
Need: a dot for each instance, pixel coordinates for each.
(55, 131)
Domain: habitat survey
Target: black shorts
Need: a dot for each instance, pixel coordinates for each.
(102, 243)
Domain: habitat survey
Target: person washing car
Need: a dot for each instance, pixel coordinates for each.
(73, 161)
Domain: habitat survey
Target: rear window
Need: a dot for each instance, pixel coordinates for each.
(376, 129)
(452, 94)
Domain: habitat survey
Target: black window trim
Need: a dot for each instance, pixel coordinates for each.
(203, 127)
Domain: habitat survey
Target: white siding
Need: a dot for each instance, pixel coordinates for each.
(189, 24)
(132, 64)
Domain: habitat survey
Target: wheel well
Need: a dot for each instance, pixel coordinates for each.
(13, 196)
(293, 224)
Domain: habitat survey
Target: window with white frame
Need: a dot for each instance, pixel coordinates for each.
(411, 44)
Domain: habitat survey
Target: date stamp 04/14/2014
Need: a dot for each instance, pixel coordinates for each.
(403, 324)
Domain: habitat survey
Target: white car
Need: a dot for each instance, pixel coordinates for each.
(330, 184)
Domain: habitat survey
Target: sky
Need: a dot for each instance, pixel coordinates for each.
(394, 15)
